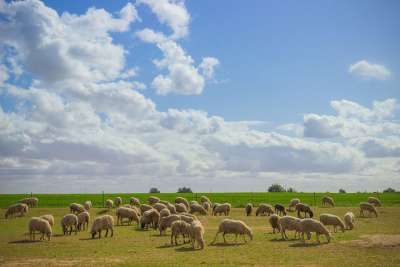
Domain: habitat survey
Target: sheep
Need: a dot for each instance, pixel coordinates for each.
(127, 206)
(150, 217)
(164, 213)
(165, 202)
(206, 206)
(197, 234)
(330, 219)
(274, 222)
(179, 228)
(144, 208)
(182, 200)
(69, 221)
(105, 222)
(134, 201)
(326, 200)
(374, 201)
(153, 200)
(310, 225)
(230, 226)
(118, 201)
(83, 220)
(41, 225)
(248, 209)
(20, 208)
(87, 205)
(365, 206)
(280, 209)
(180, 207)
(130, 214)
(289, 223)
(301, 207)
(109, 204)
(30, 201)
(166, 222)
(204, 199)
(171, 207)
(293, 203)
(197, 208)
(193, 202)
(159, 206)
(49, 218)
(222, 208)
(264, 209)
(76, 208)
(349, 220)
(188, 219)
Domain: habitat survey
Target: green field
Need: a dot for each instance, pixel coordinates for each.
(236, 199)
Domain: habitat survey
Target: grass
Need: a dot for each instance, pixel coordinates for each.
(133, 247)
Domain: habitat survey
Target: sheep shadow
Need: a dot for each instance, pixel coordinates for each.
(88, 239)
(185, 249)
(282, 239)
(305, 245)
(24, 241)
(166, 246)
(58, 235)
(102, 212)
(226, 244)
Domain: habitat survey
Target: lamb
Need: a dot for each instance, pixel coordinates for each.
(49, 218)
(69, 221)
(289, 223)
(153, 200)
(180, 207)
(20, 208)
(248, 209)
(222, 208)
(206, 206)
(349, 220)
(144, 208)
(301, 207)
(326, 200)
(30, 201)
(150, 217)
(164, 213)
(374, 201)
(40, 225)
(280, 209)
(109, 204)
(310, 225)
(166, 222)
(330, 219)
(104, 222)
(76, 208)
(293, 203)
(204, 199)
(118, 201)
(230, 226)
(159, 206)
(365, 206)
(182, 200)
(197, 208)
(128, 213)
(179, 228)
(87, 205)
(83, 220)
(264, 209)
(197, 234)
(274, 222)
(134, 201)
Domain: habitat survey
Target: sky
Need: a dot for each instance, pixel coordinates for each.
(122, 96)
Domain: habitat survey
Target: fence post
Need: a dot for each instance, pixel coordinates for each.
(314, 199)
(31, 194)
(103, 200)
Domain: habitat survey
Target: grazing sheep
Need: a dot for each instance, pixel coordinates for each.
(144, 208)
(222, 208)
(180, 207)
(150, 217)
(166, 222)
(127, 213)
(109, 204)
(30, 201)
(164, 213)
(197, 208)
(171, 207)
(118, 201)
(280, 209)
(204, 199)
(179, 228)
(248, 209)
(274, 222)
(310, 225)
(230, 226)
(187, 218)
(264, 209)
(365, 206)
(159, 206)
(69, 221)
(127, 206)
(289, 223)
(105, 222)
(49, 218)
(153, 200)
(83, 220)
(197, 234)
(76, 208)
(206, 206)
(182, 200)
(40, 225)
(301, 207)
(374, 201)
(134, 201)
(330, 219)
(293, 203)
(87, 205)
(193, 202)
(326, 200)
(349, 220)
(20, 208)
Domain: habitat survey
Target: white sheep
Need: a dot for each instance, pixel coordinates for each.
(182, 200)
(49, 218)
(248, 209)
(40, 225)
(293, 203)
(20, 208)
(204, 199)
(180, 207)
(289, 223)
(365, 206)
(308, 226)
(222, 208)
(83, 220)
(153, 200)
(128, 213)
(170, 206)
(69, 221)
(264, 209)
(206, 206)
(349, 220)
(193, 202)
(274, 222)
(144, 208)
(30, 201)
(76, 208)
(197, 208)
(230, 226)
(134, 201)
(197, 234)
(150, 217)
(179, 228)
(330, 219)
(109, 204)
(87, 205)
(326, 200)
(164, 213)
(105, 222)
(166, 222)
(374, 201)
(118, 201)
(159, 206)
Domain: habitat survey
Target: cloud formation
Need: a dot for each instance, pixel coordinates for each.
(365, 69)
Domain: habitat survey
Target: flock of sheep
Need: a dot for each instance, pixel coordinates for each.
(161, 215)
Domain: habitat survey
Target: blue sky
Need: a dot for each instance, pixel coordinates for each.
(282, 64)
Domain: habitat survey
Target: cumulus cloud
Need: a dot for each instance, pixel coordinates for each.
(365, 69)
(207, 66)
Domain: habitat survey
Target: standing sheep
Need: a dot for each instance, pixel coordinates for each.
(150, 217)
(105, 222)
(264, 209)
(118, 202)
(40, 225)
(330, 219)
(69, 221)
(289, 223)
(374, 201)
(222, 208)
(153, 200)
(182, 200)
(49, 218)
(301, 207)
(159, 206)
(83, 220)
(197, 234)
(109, 204)
(349, 220)
(204, 199)
(30, 201)
(326, 200)
(171, 207)
(248, 209)
(166, 222)
(365, 206)
(274, 222)
(134, 201)
(87, 205)
(179, 228)
(310, 225)
(180, 207)
(206, 206)
(229, 226)
(293, 203)
(164, 213)
(144, 208)
(197, 208)
(20, 208)
(127, 213)
(76, 208)
(280, 209)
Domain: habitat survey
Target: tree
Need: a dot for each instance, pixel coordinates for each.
(291, 190)
(184, 190)
(154, 190)
(389, 190)
(276, 188)
(341, 190)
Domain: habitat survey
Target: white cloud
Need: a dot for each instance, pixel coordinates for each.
(369, 70)
(207, 66)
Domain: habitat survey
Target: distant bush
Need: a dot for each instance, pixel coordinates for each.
(276, 188)
(389, 190)
(341, 190)
(291, 190)
(184, 190)
(154, 190)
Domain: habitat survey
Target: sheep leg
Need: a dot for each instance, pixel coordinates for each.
(236, 238)
(99, 234)
(70, 230)
(172, 242)
(215, 238)
(302, 237)
(106, 232)
(223, 235)
(319, 242)
(76, 230)
(112, 232)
